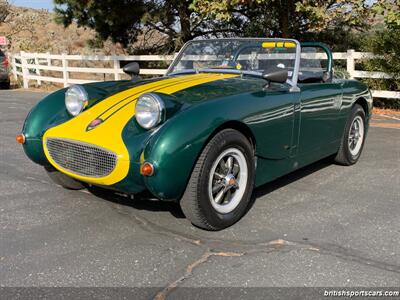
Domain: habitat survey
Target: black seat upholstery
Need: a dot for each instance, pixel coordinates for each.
(311, 77)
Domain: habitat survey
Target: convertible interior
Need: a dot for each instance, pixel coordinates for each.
(312, 70)
(253, 57)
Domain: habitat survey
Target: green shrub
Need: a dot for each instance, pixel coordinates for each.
(385, 44)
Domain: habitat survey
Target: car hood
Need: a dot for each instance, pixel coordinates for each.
(112, 104)
(218, 89)
(188, 89)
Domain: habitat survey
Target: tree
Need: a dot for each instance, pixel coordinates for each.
(390, 9)
(289, 18)
(123, 21)
(385, 45)
(181, 23)
(178, 21)
(118, 20)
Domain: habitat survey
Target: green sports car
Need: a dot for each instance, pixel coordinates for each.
(229, 115)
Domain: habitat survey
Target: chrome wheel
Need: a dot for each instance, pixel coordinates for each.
(356, 135)
(228, 180)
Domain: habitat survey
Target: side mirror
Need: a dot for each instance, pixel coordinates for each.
(132, 69)
(279, 76)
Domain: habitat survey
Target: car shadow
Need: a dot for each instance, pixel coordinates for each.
(292, 177)
(144, 201)
(147, 202)
(280, 182)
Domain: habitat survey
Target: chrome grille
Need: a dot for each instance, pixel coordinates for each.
(81, 158)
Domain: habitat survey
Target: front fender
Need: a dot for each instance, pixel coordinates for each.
(175, 147)
(49, 112)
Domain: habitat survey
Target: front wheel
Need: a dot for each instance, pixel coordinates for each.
(220, 187)
(353, 138)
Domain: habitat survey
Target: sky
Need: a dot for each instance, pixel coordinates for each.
(46, 4)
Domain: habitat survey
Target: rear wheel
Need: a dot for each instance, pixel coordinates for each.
(353, 138)
(220, 187)
(63, 180)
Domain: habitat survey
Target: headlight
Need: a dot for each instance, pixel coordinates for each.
(76, 99)
(149, 110)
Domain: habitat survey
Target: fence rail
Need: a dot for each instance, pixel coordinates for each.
(31, 66)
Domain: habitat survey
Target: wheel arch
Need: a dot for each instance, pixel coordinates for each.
(363, 103)
(185, 161)
(238, 126)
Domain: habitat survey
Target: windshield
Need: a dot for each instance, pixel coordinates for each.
(243, 55)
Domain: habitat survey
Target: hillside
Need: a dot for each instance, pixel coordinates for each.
(34, 30)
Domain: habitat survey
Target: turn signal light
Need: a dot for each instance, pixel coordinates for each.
(147, 169)
(20, 138)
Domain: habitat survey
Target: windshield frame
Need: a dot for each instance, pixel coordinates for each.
(292, 81)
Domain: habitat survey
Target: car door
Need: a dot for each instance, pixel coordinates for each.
(320, 100)
(273, 121)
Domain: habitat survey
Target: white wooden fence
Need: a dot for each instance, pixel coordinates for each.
(29, 66)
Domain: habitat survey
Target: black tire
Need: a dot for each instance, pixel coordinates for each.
(196, 202)
(5, 85)
(344, 155)
(63, 180)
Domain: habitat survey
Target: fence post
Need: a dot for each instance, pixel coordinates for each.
(25, 71)
(39, 82)
(350, 63)
(65, 69)
(13, 66)
(48, 58)
(117, 76)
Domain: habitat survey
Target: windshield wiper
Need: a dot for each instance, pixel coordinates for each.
(187, 71)
(231, 71)
(218, 70)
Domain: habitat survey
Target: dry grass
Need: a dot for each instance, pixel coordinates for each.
(385, 111)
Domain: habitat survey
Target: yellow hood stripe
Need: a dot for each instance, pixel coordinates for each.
(137, 90)
(149, 88)
(108, 135)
